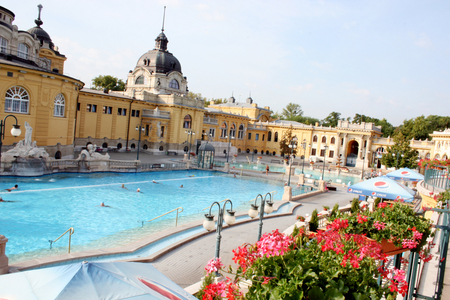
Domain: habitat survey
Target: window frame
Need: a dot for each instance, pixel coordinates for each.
(24, 101)
(3, 45)
(174, 84)
(59, 106)
(24, 52)
(187, 121)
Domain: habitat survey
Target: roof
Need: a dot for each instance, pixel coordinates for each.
(237, 104)
(110, 93)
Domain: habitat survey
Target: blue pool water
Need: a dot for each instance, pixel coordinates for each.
(47, 206)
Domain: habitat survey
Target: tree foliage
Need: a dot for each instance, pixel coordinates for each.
(386, 128)
(108, 82)
(404, 156)
(420, 128)
(332, 119)
(291, 111)
(285, 141)
(306, 120)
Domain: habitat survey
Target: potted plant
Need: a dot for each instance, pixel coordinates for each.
(333, 265)
(301, 218)
(395, 225)
(314, 221)
(325, 208)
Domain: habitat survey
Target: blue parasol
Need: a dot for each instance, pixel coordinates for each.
(111, 280)
(405, 174)
(382, 187)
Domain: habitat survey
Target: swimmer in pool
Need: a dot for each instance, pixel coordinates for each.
(181, 186)
(139, 191)
(155, 182)
(16, 187)
(103, 205)
(124, 187)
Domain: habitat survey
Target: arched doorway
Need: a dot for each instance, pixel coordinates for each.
(352, 153)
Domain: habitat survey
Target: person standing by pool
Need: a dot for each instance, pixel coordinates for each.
(267, 170)
(16, 187)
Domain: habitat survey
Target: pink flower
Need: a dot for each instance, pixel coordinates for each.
(213, 265)
(410, 244)
(274, 244)
(379, 225)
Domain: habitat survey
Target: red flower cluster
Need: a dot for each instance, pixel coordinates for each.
(221, 290)
(362, 219)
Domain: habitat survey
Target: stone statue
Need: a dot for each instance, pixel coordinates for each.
(90, 154)
(25, 148)
(28, 134)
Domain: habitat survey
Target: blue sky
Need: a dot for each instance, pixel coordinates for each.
(386, 59)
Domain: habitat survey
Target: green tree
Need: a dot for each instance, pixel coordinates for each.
(306, 120)
(386, 128)
(404, 156)
(291, 111)
(216, 101)
(332, 119)
(286, 140)
(275, 116)
(108, 82)
(420, 128)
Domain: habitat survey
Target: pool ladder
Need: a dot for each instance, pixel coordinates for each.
(176, 219)
(70, 231)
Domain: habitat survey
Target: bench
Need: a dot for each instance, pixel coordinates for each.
(275, 161)
(172, 152)
(331, 188)
(154, 166)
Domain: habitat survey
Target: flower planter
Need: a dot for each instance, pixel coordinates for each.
(389, 248)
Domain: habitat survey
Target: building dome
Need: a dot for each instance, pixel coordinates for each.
(159, 60)
(40, 33)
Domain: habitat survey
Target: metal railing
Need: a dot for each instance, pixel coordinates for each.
(217, 202)
(70, 231)
(437, 179)
(273, 193)
(164, 166)
(176, 219)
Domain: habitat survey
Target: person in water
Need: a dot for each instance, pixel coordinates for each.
(181, 186)
(16, 187)
(124, 187)
(103, 205)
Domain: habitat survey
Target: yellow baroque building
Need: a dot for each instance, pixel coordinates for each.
(156, 109)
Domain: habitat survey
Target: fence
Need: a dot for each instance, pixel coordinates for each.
(437, 180)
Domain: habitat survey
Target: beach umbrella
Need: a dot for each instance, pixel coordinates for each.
(382, 187)
(405, 174)
(109, 280)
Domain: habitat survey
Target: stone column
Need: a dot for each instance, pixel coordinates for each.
(226, 168)
(322, 185)
(287, 195)
(185, 158)
(301, 179)
(344, 153)
(4, 268)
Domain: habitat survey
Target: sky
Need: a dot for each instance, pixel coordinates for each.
(384, 59)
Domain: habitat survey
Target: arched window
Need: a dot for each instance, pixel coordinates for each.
(119, 146)
(140, 80)
(105, 145)
(22, 51)
(17, 100)
(174, 84)
(58, 155)
(275, 139)
(444, 157)
(315, 139)
(187, 121)
(161, 148)
(223, 130)
(233, 131)
(324, 139)
(269, 136)
(3, 45)
(241, 132)
(437, 156)
(428, 156)
(59, 106)
(145, 147)
(333, 141)
(267, 152)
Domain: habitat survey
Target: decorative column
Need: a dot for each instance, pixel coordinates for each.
(4, 268)
(287, 195)
(344, 154)
(301, 179)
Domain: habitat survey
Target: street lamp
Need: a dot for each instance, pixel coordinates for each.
(304, 153)
(324, 156)
(396, 155)
(190, 133)
(139, 128)
(292, 145)
(229, 143)
(253, 212)
(229, 218)
(15, 131)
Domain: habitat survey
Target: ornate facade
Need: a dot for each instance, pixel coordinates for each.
(66, 117)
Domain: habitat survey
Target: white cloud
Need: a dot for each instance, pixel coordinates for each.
(322, 66)
(361, 92)
(302, 88)
(349, 25)
(422, 41)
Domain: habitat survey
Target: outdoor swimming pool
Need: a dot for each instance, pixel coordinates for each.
(47, 206)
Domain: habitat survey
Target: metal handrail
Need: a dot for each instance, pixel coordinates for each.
(176, 219)
(70, 230)
(217, 202)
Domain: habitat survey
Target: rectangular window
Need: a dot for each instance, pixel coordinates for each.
(212, 132)
(313, 151)
(162, 132)
(330, 154)
(124, 112)
(342, 141)
(249, 135)
(105, 108)
(263, 137)
(119, 111)
(78, 106)
(138, 112)
(322, 152)
(133, 112)
(109, 110)
(3, 45)
(147, 129)
(257, 137)
(94, 108)
(88, 107)
(22, 51)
